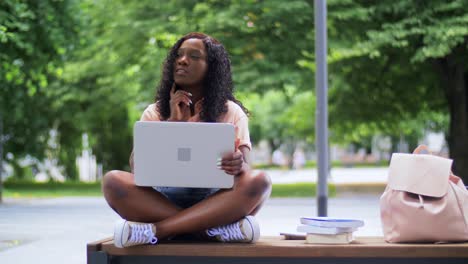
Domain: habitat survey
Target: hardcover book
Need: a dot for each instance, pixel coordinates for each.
(344, 238)
(331, 222)
(325, 230)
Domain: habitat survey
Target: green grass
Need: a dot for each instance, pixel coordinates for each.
(53, 189)
(26, 189)
(20, 193)
(298, 190)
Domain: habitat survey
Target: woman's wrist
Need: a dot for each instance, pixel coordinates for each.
(245, 168)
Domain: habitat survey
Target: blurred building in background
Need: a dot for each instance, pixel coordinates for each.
(381, 150)
(88, 169)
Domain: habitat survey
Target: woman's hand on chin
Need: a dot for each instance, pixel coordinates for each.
(180, 102)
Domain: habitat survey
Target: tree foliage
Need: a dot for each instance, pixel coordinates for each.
(400, 61)
(92, 66)
(35, 38)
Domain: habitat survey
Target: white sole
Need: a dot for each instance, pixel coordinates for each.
(119, 232)
(255, 228)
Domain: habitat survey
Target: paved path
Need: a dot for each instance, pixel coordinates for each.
(337, 175)
(57, 230)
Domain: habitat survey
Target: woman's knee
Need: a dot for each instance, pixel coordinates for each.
(114, 185)
(255, 184)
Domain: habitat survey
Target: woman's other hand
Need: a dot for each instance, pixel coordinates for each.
(232, 163)
(180, 105)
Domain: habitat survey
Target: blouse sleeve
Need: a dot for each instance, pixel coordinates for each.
(150, 114)
(242, 132)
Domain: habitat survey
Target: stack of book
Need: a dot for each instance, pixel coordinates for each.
(327, 230)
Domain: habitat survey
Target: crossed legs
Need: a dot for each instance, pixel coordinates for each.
(144, 204)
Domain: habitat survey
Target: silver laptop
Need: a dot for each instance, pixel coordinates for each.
(181, 154)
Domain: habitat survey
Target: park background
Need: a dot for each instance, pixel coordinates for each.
(76, 75)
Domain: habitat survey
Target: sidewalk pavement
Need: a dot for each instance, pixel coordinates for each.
(377, 175)
(347, 181)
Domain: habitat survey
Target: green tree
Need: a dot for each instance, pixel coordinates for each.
(92, 66)
(298, 118)
(265, 40)
(397, 60)
(35, 37)
(265, 121)
(112, 75)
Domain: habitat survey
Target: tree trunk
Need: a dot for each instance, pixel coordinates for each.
(454, 78)
(273, 147)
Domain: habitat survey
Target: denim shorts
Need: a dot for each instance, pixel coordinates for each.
(185, 197)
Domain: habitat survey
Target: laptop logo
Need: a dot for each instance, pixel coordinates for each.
(184, 154)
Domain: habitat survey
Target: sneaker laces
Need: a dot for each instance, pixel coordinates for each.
(230, 232)
(142, 234)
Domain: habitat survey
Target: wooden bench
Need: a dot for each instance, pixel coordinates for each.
(278, 250)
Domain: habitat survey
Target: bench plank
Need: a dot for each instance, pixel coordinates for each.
(266, 247)
(96, 245)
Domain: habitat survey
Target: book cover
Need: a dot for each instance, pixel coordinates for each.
(325, 230)
(331, 222)
(344, 238)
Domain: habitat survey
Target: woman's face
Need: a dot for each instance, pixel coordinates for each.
(190, 65)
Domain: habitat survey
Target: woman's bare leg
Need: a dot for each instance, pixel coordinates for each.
(224, 207)
(144, 204)
(135, 203)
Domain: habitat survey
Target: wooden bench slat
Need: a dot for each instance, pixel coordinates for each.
(96, 245)
(363, 247)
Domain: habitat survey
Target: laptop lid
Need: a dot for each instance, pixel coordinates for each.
(181, 154)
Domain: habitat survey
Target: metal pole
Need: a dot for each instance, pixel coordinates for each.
(321, 87)
(1, 156)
